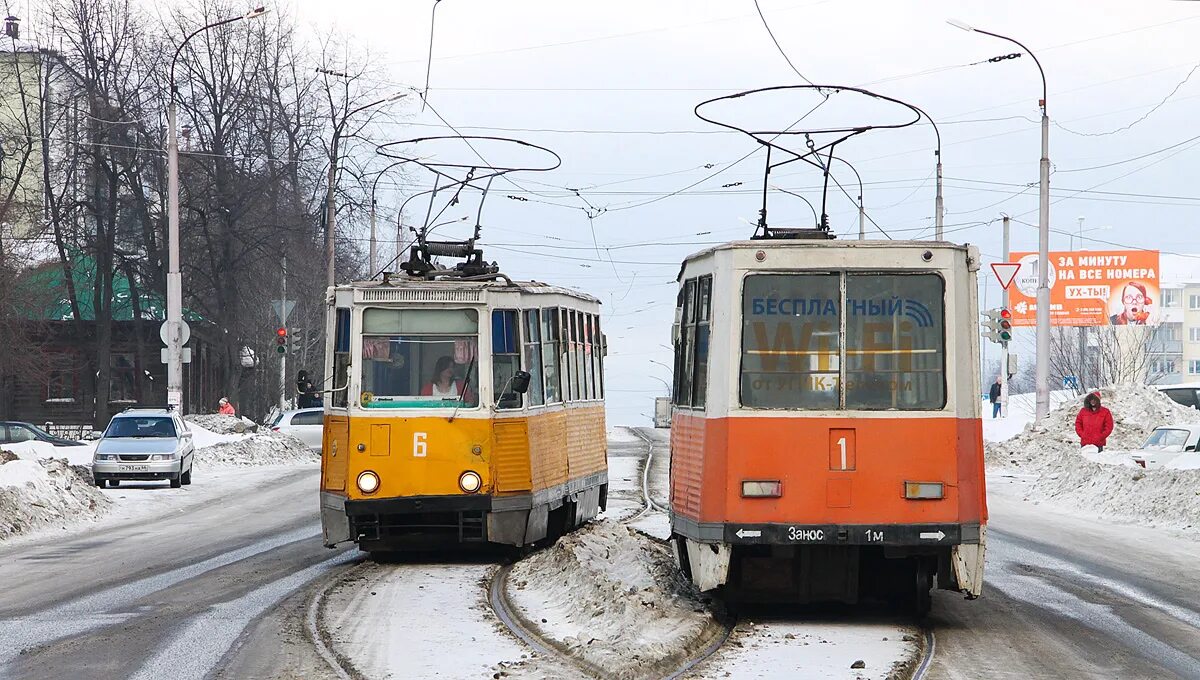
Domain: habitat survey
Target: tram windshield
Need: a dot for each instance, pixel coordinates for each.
(420, 358)
(880, 346)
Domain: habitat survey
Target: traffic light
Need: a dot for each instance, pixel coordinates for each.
(998, 326)
(295, 345)
(281, 338)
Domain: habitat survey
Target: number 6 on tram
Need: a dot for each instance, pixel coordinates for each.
(826, 441)
(461, 412)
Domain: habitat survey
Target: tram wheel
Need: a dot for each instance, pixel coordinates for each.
(923, 595)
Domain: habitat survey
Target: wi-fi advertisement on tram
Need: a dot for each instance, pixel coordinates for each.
(1089, 288)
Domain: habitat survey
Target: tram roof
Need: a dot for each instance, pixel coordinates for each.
(499, 285)
(763, 244)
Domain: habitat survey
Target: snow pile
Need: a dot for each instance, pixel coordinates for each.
(215, 422)
(1064, 473)
(264, 448)
(612, 599)
(35, 493)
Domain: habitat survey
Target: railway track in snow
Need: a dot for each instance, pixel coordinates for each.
(678, 666)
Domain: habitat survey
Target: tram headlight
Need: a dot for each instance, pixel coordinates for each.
(919, 491)
(470, 481)
(368, 482)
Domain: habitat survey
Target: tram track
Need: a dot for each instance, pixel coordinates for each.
(672, 668)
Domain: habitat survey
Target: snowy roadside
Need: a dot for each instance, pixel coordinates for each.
(1046, 465)
(47, 489)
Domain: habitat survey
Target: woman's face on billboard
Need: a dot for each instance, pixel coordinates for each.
(1133, 300)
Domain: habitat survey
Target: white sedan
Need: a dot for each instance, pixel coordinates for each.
(1165, 444)
(306, 424)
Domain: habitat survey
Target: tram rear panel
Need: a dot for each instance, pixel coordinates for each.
(826, 437)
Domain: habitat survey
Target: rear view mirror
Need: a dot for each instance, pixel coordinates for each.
(520, 382)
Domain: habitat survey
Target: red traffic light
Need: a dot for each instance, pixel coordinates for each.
(1005, 314)
(281, 332)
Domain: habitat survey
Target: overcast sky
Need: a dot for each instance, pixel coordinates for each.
(610, 86)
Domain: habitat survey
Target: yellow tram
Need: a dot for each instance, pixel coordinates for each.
(459, 411)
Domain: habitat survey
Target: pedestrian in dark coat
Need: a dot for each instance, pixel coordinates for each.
(1094, 422)
(994, 395)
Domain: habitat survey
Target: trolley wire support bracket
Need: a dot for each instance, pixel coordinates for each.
(818, 154)
(459, 177)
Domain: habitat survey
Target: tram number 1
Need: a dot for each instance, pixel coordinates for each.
(420, 446)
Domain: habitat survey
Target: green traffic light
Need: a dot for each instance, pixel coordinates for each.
(280, 350)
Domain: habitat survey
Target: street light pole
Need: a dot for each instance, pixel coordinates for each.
(1042, 360)
(331, 180)
(174, 276)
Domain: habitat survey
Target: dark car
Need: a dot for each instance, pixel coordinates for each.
(12, 432)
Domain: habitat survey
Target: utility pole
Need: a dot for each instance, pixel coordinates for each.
(283, 381)
(1083, 330)
(1004, 354)
(174, 276)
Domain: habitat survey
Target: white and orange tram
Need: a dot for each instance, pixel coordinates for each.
(826, 440)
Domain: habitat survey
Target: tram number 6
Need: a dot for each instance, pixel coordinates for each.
(420, 446)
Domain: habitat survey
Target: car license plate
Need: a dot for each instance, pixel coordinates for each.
(133, 468)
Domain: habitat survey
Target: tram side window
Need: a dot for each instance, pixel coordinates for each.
(551, 365)
(791, 324)
(598, 348)
(895, 341)
(701, 333)
(587, 391)
(420, 358)
(341, 358)
(571, 373)
(533, 357)
(506, 358)
(685, 345)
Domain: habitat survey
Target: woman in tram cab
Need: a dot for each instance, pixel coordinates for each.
(444, 385)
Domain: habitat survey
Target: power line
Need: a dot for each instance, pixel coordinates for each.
(1141, 118)
(777, 45)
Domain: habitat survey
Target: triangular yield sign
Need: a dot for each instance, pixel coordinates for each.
(1005, 272)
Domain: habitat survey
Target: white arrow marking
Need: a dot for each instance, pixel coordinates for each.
(929, 534)
(744, 533)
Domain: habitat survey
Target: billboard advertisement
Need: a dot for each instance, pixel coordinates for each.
(1089, 288)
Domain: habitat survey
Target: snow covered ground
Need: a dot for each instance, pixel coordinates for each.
(423, 619)
(1051, 468)
(612, 598)
(783, 649)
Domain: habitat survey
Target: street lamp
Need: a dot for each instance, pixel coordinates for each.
(330, 208)
(174, 278)
(372, 256)
(1042, 369)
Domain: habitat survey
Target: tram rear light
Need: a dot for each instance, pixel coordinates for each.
(368, 482)
(917, 491)
(762, 488)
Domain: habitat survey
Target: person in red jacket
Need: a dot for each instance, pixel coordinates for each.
(1094, 422)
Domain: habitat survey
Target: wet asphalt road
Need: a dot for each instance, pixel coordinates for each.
(1073, 598)
(186, 595)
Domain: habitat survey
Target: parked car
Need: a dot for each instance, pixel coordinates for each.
(1187, 394)
(1166, 444)
(12, 432)
(306, 424)
(144, 444)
